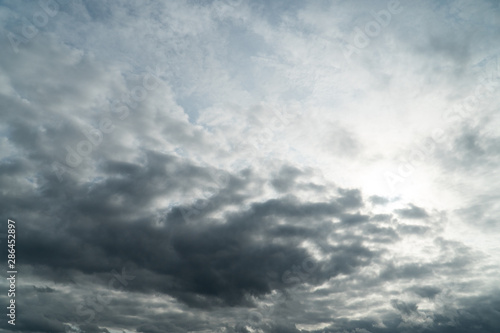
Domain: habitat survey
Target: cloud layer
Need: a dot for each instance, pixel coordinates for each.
(231, 166)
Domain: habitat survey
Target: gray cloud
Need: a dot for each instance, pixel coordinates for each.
(426, 291)
(212, 188)
(413, 212)
(378, 200)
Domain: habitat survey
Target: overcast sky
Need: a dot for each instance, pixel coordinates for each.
(252, 166)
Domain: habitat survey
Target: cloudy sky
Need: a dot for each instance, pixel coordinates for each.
(252, 166)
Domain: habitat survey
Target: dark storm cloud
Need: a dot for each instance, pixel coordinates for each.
(211, 263)
(224, 261)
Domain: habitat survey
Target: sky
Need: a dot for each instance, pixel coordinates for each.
(251, 166)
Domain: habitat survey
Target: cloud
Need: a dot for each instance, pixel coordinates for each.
(204, 167)
(413, 212)
(426, 291)
(403, 307)
(377, 200)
